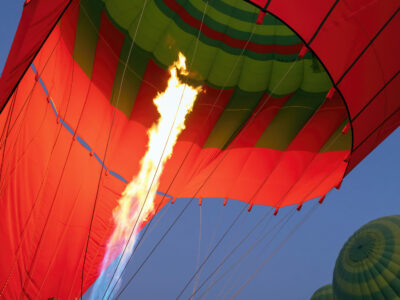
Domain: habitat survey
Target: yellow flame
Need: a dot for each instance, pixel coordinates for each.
(173, 105)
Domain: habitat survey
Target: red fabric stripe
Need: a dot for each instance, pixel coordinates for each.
(259, 3)
(303, 16)
(260, 17)
(68, 25)
(109, 45)
(248, 167)
(358, 24)
(360, 84)
(154, 81)
(209, 106)
(375, 113)
(261, 117)
(325, 121)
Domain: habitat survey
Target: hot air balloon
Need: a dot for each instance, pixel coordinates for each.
(323, 293)
(293, 96)
(368, 264)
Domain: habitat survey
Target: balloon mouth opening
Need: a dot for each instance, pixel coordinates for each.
(361, 249)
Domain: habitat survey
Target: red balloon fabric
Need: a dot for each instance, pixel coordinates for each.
(58, 161)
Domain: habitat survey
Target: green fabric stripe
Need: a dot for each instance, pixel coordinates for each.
(133, 76)
(86, 34)
(368, 266)
(290, 119)
(126, 10)
(239, 11)
(243, 5)
(235, 115)
(323, 293)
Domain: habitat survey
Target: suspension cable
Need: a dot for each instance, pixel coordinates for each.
(198, 247)
(286, 218)
(299, 224)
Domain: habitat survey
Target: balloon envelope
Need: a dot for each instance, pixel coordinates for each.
(265, 130)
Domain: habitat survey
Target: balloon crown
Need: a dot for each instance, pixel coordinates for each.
(362, 248)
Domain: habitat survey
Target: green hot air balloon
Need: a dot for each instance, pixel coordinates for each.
(368, 266)
(323, 293)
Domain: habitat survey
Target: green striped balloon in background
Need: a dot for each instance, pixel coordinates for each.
(368, 266)
(323, 293)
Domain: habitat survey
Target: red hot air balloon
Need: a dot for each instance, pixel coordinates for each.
(294, 95)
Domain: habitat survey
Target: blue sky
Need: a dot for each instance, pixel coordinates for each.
(301, 266)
